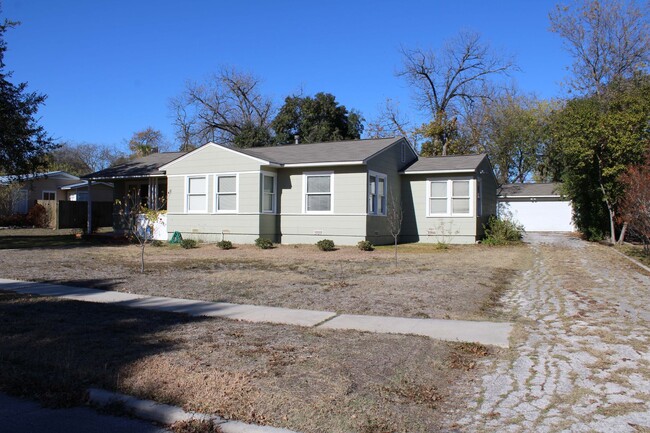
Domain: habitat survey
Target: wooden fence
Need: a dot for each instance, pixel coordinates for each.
(74, 214)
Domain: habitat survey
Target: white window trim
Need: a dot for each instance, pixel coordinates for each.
(450, 213)
(305, 175)
(47, 191)
(275, 192)
(381, 212)
(216, 193)
(187, 194)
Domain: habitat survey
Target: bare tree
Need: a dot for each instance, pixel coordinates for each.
(221, 108)
(447, 82)
(394, 218)
(608, 39)
(391, 122)
(138, 222)
(83, 158)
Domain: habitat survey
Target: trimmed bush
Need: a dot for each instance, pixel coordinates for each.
(365, 246)
(224, 245)
(325, 245)
(188, 243)
(37, 216)
(502, 232)
(263, 243)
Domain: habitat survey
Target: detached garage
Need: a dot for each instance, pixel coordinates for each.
(539, 207)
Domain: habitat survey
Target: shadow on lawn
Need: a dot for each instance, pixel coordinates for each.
(92, 283)
(52, 350)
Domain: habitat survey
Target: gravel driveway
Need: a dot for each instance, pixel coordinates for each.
(580, 359)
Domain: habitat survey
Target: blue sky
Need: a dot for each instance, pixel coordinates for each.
(109, 68)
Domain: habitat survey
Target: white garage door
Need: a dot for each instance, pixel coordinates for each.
(541, 216)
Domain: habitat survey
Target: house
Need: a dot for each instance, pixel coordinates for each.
(53, 185)
(306, 192)
(539, 207)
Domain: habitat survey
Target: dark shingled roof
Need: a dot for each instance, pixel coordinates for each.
(317, 153)
(530, 190)
(139, 167)
(446, 163)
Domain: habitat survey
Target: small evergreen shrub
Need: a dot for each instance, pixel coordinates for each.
(263, 243)
(224, 245)
(365, 246)
(325, 245)
(502, 232)
(188, 243)
(157, 243)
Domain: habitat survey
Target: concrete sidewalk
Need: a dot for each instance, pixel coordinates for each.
(491, 333)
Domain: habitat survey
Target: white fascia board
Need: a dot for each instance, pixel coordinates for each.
(125, 177)
(439, 171)
(205, 146)
(83, 185)
(324, 164)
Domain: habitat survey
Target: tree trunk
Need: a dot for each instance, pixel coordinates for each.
(395, 250)
(621, 237)
(612, 226)
(142, 258)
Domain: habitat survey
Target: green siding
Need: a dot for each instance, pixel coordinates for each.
(213, 159)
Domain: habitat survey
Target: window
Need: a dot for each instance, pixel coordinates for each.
(268, 193)
(197, 194)
(377, 185)
(449, 197)
(318, 192)
(226, 193)
(82, 196)
(49, 195)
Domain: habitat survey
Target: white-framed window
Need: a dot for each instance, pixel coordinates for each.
(49, 195)
(269, 186)
(451, 197)
(377, 191)
(319, 192)
(225, 187)
(196, 197)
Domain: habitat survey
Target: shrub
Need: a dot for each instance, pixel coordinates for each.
(325, 245)
(365, 246)
(157, 243)
(188, 243)
(502, 232)
(224, 245)
(14, 220)
(37, 216)
(263, 243)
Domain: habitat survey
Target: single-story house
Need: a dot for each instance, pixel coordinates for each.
(539, 207)
(53, 185)
(302, 193)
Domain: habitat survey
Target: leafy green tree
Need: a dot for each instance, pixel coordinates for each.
(316, 119)
(252, 135)
(145, 142)
(24, 144)
(599, 137)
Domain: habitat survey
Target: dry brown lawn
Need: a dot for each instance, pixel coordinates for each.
(455, 283)
(303, 379)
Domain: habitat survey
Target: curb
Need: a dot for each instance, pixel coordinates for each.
(167, 414)
(633, 260)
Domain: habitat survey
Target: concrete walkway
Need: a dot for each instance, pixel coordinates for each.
(491, 333)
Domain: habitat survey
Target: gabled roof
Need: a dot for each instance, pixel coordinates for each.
(5, 180)
(146, 166)
(446, 164)
(336, 152)
(530, 190)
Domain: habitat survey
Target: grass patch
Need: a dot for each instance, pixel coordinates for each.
(636, 252)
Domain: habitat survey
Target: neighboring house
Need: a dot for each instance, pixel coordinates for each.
(303, 193)
(53, 185)
(539, 207)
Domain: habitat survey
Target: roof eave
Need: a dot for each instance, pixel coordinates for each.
(323, 164)
(469, 170)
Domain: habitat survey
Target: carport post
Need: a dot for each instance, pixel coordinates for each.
(89, 225)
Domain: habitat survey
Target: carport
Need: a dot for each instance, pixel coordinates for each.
(539, 207)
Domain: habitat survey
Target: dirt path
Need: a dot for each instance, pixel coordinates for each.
(581, 350)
